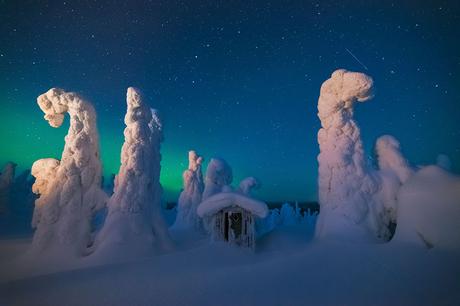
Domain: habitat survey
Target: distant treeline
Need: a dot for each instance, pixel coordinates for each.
(304, 206)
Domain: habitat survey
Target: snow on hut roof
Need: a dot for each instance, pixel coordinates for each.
(222, 200)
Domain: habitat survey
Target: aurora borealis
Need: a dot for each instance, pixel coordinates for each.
(232, 79)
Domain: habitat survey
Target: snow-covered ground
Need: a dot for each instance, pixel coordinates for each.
(347, 255)
(287, 268)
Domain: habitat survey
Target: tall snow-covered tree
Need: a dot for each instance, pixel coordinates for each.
(69, 189)
(134, 223)
(190, 197)
(345, 189)
(357, 201)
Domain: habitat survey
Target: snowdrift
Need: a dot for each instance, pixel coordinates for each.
(429, 209)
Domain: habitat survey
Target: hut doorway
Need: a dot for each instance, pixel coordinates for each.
(233, 221)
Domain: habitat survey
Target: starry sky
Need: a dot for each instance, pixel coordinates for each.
(234, 79)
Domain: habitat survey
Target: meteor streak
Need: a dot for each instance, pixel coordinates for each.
(365, 67)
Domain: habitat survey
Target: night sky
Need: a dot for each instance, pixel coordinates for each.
(235, 79)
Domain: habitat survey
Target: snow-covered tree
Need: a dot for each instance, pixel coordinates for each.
(134, 222)
(357, 201)
(218, 175)
(6, 180)
(288, 215)
(69, 189)
(394, 170)
(345, 189)
(390, 158)
(22, 198)
(309, 217)
(190, 197)
(247, 185)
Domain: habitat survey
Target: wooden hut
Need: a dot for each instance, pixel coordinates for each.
(231, 217)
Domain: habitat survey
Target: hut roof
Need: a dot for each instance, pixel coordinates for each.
(222, 200)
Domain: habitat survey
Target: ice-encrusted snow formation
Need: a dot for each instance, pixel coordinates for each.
(134, 222)
(247, 185)
(345, 188)
(429, 209)
(390, 158)
(69, 189)
(218, 175)
(190, 197)
(394, 171)
(6, 181)
(358, 202)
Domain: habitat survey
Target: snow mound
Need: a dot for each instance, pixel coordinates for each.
(429, 209)
(222, 200)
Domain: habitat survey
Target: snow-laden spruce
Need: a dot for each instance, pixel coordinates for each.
(394, 171)
(344, 187)
(69, 189)
(190, 197)
(357, 201)
(6, 181)
(390, 158)
(218, 175)
(134, 223)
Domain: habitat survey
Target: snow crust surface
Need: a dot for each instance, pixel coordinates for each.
(287, 268)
